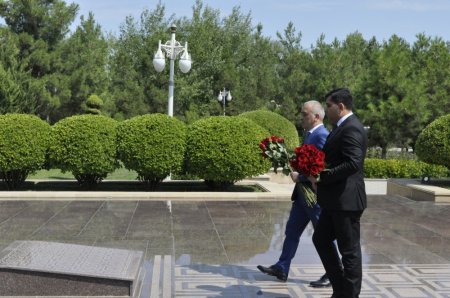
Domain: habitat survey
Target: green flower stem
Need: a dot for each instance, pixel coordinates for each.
(288, 159)
(310, 195)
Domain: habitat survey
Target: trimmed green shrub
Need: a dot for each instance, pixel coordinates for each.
(393, 168)
(223, 150)
(153, 145)
(275, 124)
(433, 143)
(93, 105)
(24, 140)
(85, 146)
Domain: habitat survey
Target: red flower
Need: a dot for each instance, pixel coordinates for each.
(308, 161)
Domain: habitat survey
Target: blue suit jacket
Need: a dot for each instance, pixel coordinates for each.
(317, 138)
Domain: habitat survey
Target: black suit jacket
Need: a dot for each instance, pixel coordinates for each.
(342, 187)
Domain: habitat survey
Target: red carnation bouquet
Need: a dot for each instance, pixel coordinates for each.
(274, 148)
(308, 161)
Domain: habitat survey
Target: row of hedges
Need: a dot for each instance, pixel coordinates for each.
(221, 150)
(394, 168)
(432, 148)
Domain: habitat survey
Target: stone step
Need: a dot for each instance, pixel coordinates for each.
(162, 275)
(414, 190)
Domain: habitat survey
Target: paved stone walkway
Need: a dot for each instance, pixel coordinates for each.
(245, 281)
(211, 248)
(230, 280)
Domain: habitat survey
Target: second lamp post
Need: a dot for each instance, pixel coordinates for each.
(223, 97)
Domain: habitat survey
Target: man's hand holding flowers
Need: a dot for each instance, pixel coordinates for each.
(294, 176)
(313, 181)
(307, 161)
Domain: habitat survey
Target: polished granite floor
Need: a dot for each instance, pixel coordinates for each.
(396, 232)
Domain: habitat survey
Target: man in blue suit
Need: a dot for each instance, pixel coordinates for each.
(301, 214)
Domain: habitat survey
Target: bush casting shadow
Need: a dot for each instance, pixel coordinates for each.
(169, 186)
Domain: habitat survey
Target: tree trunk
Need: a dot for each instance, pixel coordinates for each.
(383, 152)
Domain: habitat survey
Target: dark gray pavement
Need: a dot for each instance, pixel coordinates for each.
(395, 231)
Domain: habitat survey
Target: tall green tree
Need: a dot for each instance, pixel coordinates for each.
(136, 88)
(11, 92)
(295, 80)
(20, 92)
(81, 67)
(40, 25)
(196, 92)
(431, 72)
(392, 100)
(46, 20)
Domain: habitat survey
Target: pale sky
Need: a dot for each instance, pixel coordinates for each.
(334, 18)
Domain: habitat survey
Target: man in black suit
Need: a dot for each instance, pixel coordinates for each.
(341, 194)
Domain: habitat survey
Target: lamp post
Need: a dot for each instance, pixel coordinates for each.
(274, 105)
(172, 48)
(223, 97)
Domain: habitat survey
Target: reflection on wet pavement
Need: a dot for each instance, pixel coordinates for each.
(394, 230)
(211, 248)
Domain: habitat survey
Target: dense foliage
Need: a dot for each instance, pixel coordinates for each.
(84, 145)
(395, 168)
(433, 144)
(24, 140)
(222, 150)
(48, 71)
(275, 124)
(152, 145)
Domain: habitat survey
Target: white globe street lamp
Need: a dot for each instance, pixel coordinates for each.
(223, 97)
(172, 48)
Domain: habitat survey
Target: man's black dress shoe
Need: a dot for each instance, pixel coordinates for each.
(274, 271)
(323, 282)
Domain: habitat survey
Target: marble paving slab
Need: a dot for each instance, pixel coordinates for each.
(50, 268)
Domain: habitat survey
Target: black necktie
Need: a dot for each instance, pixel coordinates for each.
(332, 131)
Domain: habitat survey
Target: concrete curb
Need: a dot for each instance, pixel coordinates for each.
(414, 190)
(274, 192)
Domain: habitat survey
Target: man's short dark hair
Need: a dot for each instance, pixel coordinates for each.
(341, 95)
